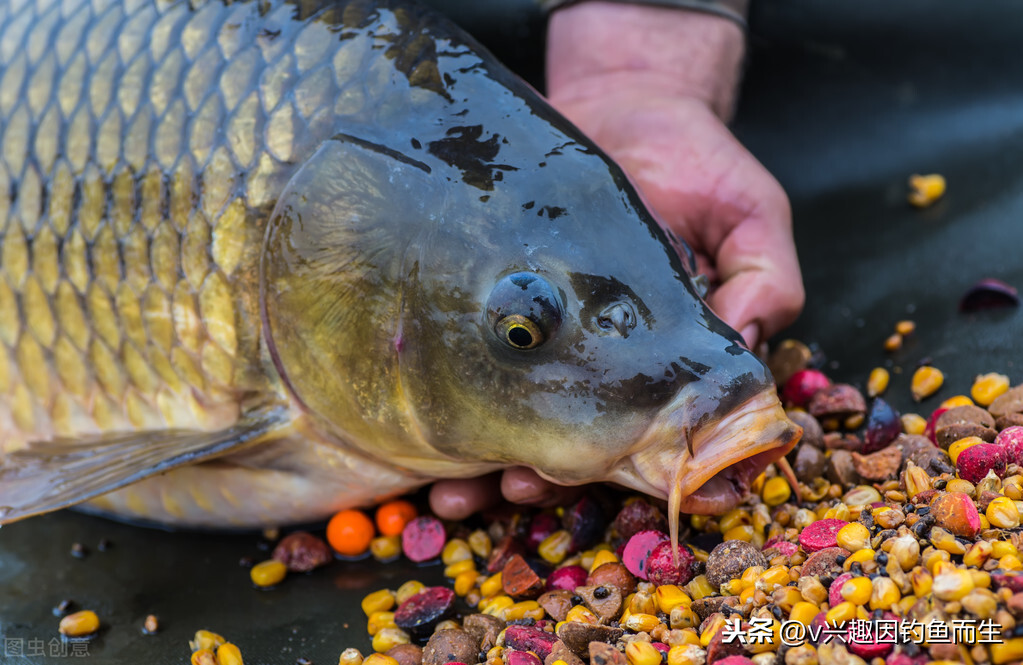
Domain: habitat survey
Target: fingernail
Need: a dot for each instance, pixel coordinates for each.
(750, 334)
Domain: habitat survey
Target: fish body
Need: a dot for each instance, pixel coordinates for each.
(260, 261)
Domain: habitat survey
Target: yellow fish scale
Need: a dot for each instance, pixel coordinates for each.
(143, 147)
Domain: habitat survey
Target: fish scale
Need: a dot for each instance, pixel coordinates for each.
(144, 145)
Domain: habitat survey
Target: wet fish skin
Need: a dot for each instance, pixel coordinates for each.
(289, 219)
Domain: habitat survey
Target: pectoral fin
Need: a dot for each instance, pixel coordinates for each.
(56, 474)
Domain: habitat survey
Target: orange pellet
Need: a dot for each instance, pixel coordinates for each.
(350, 532)
(926, 381)
(394, 515)
(893, 343)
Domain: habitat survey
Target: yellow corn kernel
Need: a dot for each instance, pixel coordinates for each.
(758, 483)
(981, 579)
(750, 576)
(905, 327)
(741, 532)
(642, 653)
(385, 548)
(922, 582)
(378, 601)
(946, 542)
(932, 558)
(711, 630)
(229, 654)
(409, 589)
(884, 593)
(860, 557)
(854, 537)
(1002, 513)
(854, 421)
(962, 444)
(857, 590)
(459, 567)
(699, 522)
(350, 656)
(1007, 651)
(526, 609)
(893, 342)
(984, 524)
(700, 554)
(786, 597)
(915, 479)
(80, 623)
(877, 382)
(762, 645)
(205, 639)
(642, 602)
(952, 585)
(960, 485)
(913, 423)
(733, 587)
(379, 620)
(479, 543)
(925, 190)
(1010, 562)
(1001, 548)
(981, 603)
(987, 387)
(699, 587)
(773, 577)
(688, 636)
(841, 613)
(581, 613)
(837, 512)
(641, 622)
(747, 595)
(776, 491)
(455, 550)
(497, 651)
(497, 605)
(686, 654)
(733, 518)
(379, 659)
(804, 612)
(388, 638)
(683, 616)
(203, 657)
(491, 586)
(926, 381)
(977, 554)
(554, 547)
(670, 596)
(465, 581)
(602, 557)
(956, 400)
(268, 573)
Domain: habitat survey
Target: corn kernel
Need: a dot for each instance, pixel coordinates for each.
(1002, 513)
(409, 589)
(641, 622)
(884, 593)
(479, 543)
(877, 382)
(378, 621)
(854, 421)
(926, 381)
(526, 609)
(860, 557)
(857, 590)
(786, 597)
(711, 630)
(465, 581)
(80, 623)
(747, 595)
(905, 327)
(956, 400)
(497, 605)
(205, 639)
(378, 601)
(554, 547)
(925, 190)
(268, 573)
(385, 548)
(687, 636)
(853, 537)
(773, 577)
(581, 613)
(981, 603)
(946, 542)
(229, 654)
(642, 602)
(922, 582)
(981, 579)
(686, 654)
(602, 557)
(987, 387)
(932, 558)
(742, 532)
(699, 587)
(455, 550)
(915, 479)
(448, 624)
(1007, 651)
(350, 656)
(893, 342)
(1002, 548)
(1010, 562)
(203, 657)
(841, 613)
(733, 518)
(804, 612)
(952, 585)
(683, 616)
(670, 596)
(388, 638)
(962, 444)
(379, 659)
(699, 522)
(776, 491)
(913, 423)
(642, 653)
(459, 567)
(812, 590)
(491, 586)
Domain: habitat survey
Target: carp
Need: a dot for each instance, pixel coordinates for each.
(264, 260)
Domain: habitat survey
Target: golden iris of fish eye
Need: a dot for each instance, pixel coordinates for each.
(519, 332)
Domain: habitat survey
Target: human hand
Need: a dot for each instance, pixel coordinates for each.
(653, 87)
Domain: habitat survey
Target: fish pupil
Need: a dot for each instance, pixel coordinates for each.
(519, 336)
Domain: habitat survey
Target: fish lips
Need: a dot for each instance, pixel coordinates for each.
(711, 467)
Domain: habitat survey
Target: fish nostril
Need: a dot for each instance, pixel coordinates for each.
(620, 316)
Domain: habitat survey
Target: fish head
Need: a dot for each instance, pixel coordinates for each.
(547, 320)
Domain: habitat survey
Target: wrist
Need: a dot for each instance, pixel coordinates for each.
(594, 47)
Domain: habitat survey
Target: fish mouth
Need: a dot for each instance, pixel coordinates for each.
(709, 469)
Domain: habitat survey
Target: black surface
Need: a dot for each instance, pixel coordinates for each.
(842, 103)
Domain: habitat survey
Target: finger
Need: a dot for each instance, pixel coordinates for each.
(522, 485)
(458, 499)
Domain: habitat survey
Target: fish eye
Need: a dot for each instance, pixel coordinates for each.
(523, 310)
